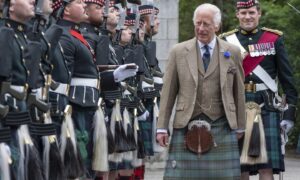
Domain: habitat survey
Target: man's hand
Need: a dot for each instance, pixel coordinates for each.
(144, 116)
(239, 135)
(163, 139)
(287, 125)
(122, 72)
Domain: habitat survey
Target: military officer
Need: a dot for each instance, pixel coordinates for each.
(84, 77)
(14, 78)
(265, 65)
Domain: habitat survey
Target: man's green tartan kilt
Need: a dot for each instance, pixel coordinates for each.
(271, 122)
(220, 163)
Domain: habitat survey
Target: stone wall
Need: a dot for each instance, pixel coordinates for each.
(168, 30)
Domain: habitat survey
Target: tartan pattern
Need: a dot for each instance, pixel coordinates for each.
(147, 128)
(271, 121)
(220, 163)
(83, 124)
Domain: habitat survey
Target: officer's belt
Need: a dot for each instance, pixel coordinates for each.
(250, 87)
(94, 83)
(158, 80)
(146, 85)
(38, 92)
(61, 89)
(20, 89)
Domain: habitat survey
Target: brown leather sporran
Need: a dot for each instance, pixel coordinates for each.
(198, 138)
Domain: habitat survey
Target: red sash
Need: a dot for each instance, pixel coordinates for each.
(81, 39)
(250, 63)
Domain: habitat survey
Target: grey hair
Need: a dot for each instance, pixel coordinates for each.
(216, 11)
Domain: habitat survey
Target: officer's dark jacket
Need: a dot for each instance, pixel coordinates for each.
(277, 65)
(12, 60)
(101, 45)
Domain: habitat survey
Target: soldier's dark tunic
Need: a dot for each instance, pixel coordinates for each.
(14, 70)
(277, 66)
(84, 93)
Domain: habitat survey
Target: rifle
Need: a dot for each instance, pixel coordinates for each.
(5, 10)
(7, 89)
(131, 89)
(105, 15)
(32, 100)
(120, 26)
(156, 73)
(3, 110)
(102, 68)
(135, 30)
(38, 16)
(60, 11)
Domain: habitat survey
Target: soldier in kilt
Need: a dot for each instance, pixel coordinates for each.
(264, 67)
(206, 76)
(25, 160)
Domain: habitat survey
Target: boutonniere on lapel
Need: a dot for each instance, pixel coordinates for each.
(227, 54)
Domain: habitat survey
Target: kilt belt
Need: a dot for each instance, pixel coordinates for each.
(94, 83)
(61, 89)
(251, 87)
(20, 89)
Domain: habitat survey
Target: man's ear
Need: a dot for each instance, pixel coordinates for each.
(11, 7)
(67, 11)
(217, 27)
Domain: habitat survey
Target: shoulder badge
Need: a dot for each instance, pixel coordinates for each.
(223, 35)
(275, 31)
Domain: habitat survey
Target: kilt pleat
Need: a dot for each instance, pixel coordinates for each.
(271, 122)
(221, 162)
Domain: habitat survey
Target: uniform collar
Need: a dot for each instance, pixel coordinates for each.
(70, 24)
(17, 26)
(90, 28)
(254, 31)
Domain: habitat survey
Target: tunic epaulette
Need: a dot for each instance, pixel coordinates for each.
(228, 33)
(275, 31)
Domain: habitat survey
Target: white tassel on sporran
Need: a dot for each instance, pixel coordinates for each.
(5, 161)
(100, 151)
(115, 117)
(253, 115)
(136, 162)
(126, 122)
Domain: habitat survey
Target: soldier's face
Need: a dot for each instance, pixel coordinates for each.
(75, 11)
(248, 18)
(21, 10)
(95, 13)
(113, 16)
(205, 27)
(142, 33)
(155, 27)
(47, 8)
(126, 35)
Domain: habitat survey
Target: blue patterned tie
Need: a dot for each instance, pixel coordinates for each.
(206, 57)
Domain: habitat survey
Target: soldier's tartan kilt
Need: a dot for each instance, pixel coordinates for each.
(271, 122)
(147, 128)
(220, 163)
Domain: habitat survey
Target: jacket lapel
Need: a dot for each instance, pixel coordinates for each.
(224, 62)
(192, 58)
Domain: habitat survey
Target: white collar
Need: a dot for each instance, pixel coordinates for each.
(211, 44)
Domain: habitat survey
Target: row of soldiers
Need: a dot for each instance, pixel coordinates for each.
(80, 87)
